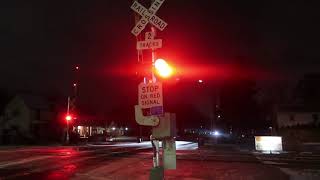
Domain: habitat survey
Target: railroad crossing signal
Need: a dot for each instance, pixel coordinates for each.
(150, 94)
(148, 16)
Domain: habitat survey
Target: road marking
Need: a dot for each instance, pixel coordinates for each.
(301, 173)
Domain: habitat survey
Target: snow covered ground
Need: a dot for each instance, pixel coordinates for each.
(302, 174)
(298, 166)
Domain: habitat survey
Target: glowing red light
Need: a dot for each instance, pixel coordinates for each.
(74, 84)
(163, 68)
(77, 68)
(68, 117)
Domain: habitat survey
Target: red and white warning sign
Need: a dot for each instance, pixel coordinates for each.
(150, 95)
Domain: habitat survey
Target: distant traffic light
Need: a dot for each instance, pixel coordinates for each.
(162, 68)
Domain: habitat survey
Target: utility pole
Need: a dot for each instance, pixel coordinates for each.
(139, 60)
(67, 119)
(72, 101)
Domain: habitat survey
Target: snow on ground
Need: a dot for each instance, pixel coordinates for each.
(285, 163)
(273, 163)
(139, 168)
(180, 145)
(304, 174)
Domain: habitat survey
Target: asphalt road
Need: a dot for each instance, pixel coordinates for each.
(134, 161)
(62, 162)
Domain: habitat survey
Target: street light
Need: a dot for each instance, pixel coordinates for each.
(71, 103)
(162, 68)
(216, 133)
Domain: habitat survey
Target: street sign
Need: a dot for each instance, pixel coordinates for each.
(149, 35)
(150, 95)
(157, 22)
(149, 42)
(158, 110)
(153, 44)
(148, 15)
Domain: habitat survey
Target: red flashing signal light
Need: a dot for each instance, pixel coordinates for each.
(163, 69)
(68, 117)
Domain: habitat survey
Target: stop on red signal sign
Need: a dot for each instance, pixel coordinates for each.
(150, 96)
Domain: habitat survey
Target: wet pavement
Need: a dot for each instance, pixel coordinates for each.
(134, 161)
(58, 162)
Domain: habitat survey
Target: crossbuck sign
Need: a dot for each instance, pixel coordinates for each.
(148, 15)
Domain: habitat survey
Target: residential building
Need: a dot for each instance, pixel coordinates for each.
(296, 115)
(27, 118)
(298, 125)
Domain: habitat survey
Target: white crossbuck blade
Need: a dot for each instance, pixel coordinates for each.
(148, 16)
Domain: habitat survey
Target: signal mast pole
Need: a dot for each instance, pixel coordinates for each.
(68, 113)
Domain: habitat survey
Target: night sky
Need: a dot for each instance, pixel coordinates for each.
(41, 42)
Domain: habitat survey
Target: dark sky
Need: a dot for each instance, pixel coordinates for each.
(42, 40)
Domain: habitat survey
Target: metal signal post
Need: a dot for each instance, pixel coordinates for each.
(68, 119)
(150, 91)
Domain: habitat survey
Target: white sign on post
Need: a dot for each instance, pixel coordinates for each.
(145, 120)
(149, 42)
(148, 15)
(149, 35)
(150, 95)
(154, 44)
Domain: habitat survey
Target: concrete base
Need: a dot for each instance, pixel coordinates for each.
(157, 173)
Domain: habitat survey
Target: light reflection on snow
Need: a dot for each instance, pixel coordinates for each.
(180, 145)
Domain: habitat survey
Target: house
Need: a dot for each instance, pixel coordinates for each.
(298, 125)
(90, 125)
(26, 118)
(296, 115)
